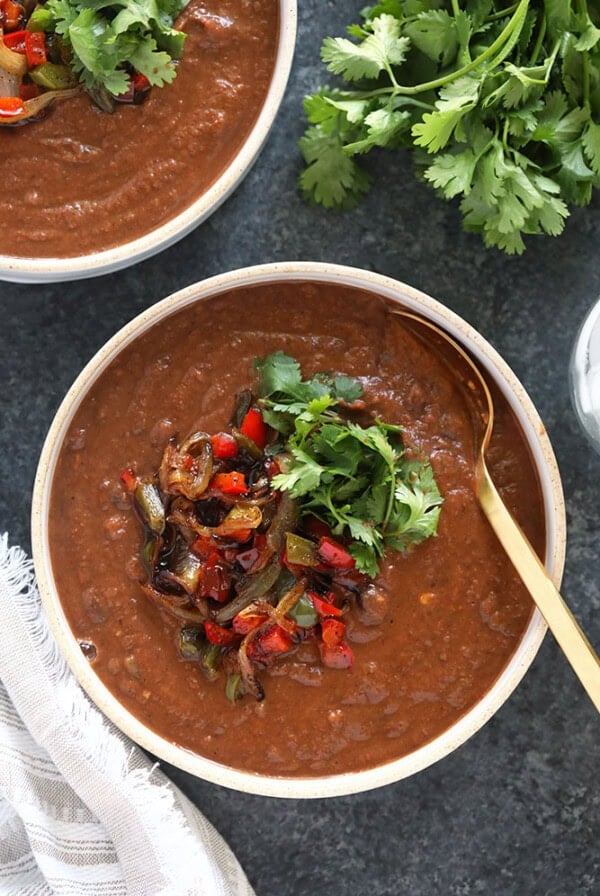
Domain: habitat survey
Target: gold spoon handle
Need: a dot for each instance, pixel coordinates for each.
(559, 618)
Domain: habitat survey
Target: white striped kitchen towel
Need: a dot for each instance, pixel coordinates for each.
(83, 812)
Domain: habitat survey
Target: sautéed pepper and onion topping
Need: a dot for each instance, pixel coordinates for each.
(114, 50)
(266, 535)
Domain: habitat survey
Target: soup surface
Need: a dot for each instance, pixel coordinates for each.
(436, 627)
(83, 181)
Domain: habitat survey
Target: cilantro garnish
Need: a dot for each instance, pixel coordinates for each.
(108, 38)
(499, 104)
(360, 480)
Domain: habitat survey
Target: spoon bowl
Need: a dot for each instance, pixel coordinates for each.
(561, 622)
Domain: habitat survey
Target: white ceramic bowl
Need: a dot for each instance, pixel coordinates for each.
(44, 270)
(543, 459)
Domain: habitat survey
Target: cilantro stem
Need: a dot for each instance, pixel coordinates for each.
(501, 13)
(539, 41)
(585, 77)
(392, 92)
(515, 24)
(391, 497)
(585, 59)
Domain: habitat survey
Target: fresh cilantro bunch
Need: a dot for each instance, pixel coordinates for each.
(108, 37)
(498, 102)
(359, 480)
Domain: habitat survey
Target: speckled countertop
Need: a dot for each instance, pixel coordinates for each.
(516, 810)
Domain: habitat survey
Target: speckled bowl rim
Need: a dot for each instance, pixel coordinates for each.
(467, 725)
(48, 270)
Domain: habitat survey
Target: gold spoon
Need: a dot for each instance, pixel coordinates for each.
(559, 618)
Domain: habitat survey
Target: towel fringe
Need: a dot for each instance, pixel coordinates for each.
(153, 800)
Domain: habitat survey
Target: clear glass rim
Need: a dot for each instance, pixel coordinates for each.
(580, 372)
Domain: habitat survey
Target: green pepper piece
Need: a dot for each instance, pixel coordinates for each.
(148, 500)
(41, 19)
(54, 76)
(248, 445)
(300, 551)
(148, 552)
(303, 613)
(234, 688)
(193, 645)
(243, 402)
(210, 660)
(102, 98)
(191, 642)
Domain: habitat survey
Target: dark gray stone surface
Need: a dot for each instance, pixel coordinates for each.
(515, 811)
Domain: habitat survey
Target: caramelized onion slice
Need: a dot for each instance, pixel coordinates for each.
(9, 83)
(177, 476)
(251, 683)
(185, 568)
(11, 62)
(157, 597)
(241, 516)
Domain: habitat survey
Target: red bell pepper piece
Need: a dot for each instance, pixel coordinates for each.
(274, 639)
(247, 622)
(332, 631)
(339, 657)
(203, 546)
(334, 555)
(15, 41)
(223, 445)
(140, 83)
(216, 634)
(323, 605)
(272, 468)
(254, 427)
(11, 105)
(254, 558)
(216, 578)
(241, 536)
(188, 462)
(12, 15)
(35, 48)
(28, 91)
(233, 483)
(128, 477)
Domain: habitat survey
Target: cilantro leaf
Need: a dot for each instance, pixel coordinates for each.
(417, 510)
(453, 173)
(303, 477)
(355, 478)
(108, 39)
(379, 49)
(331, 178)
(278, 373)
(435, 33)
(456, 99)
(591, 145)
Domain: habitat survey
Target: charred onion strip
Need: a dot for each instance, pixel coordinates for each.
(170, 604)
